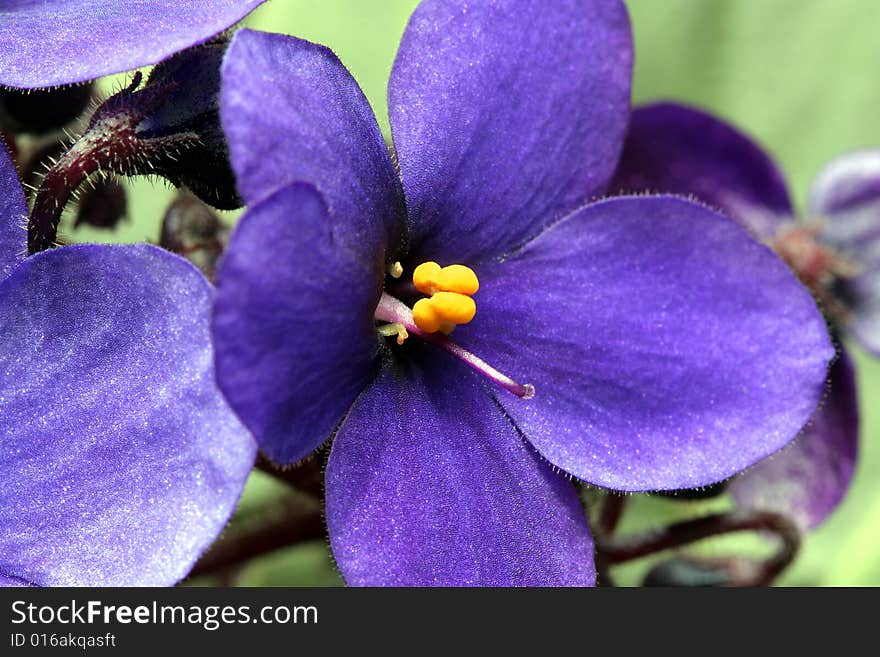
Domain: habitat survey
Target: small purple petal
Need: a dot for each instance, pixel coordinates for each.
(291, 111)
(847, 181)
(293, 322)
(506, 115)
(120, 460)
(43, 44)
(667, 347)
(807, 480)
(676, 149)
(13, 215)
(854, 233)
(846, 197)
(428, 484)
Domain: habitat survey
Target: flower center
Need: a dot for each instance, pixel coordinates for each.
(817, 265)
(432, 319)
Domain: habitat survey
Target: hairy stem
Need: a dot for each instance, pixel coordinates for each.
(110, 144)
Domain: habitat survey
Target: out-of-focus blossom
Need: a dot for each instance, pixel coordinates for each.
(835, 251)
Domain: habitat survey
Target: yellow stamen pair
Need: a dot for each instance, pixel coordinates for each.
(450, 289)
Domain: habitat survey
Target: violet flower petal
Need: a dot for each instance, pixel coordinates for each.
(120, 460)
(808, 479)
(676, 149)
(291, 111)
(43, 44)
(846, 182)
(667, 367)
(13, 581)
(13, 216)
(429, 484)
(293, 322)
(506, 116)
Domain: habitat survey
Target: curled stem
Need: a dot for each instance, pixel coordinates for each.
(110, 144)
(611, 512)
(620, 549)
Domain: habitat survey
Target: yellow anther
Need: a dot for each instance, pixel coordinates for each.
(443, 311)
(450, 303)
(429, 278)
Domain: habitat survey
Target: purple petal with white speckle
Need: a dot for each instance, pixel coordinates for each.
(13, 215)
(120, 461)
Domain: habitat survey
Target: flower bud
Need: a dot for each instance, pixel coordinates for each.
(191, 106)
(193, 230)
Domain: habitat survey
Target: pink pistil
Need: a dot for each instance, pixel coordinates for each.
(394, 311)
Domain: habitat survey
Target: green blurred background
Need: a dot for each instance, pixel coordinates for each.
(800, 75)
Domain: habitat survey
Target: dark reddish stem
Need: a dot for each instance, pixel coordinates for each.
(88, 156)
(611, 512)
(307, 476)
(294, 522)
(609, 516)
(621, 549)
(110, 144)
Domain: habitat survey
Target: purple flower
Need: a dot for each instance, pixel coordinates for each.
(57, 42)
(612, 340)
(120, 460)
(672, 148)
